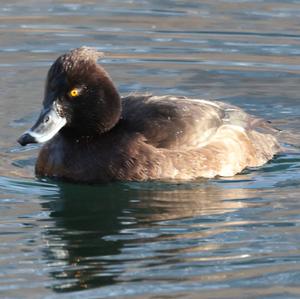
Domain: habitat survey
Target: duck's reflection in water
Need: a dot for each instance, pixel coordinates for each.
(99, 233)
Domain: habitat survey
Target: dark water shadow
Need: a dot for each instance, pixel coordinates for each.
(92, 225)
(83, 215)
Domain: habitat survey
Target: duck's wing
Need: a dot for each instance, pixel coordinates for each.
(183, 123)
(172, 122)
(213, 137)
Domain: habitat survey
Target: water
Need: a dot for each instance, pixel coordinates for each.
(223, 238)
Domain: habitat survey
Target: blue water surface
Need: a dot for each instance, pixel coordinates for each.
(233, 237)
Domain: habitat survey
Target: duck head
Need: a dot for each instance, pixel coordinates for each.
(80, 99)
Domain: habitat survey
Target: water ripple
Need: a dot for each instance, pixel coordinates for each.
(224, 237)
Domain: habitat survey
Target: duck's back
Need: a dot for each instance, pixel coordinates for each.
(223, 137)
(172, 122)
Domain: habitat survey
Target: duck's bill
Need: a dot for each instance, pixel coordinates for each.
(46, 127)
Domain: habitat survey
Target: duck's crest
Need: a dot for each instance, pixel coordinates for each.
(84, 54)
(76, 58)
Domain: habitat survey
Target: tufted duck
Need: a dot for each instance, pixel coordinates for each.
(94, 135)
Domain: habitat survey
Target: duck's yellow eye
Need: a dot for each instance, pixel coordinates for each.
(74, 92)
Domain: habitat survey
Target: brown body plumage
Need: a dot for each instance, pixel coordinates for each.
(143, 137)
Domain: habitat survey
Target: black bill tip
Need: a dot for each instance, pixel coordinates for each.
(26, 139)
